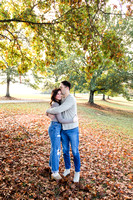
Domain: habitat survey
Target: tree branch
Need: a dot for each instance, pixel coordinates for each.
(15, 39)
(92, 25)
(25, 21)
(120, 14)
(68, 12)
(3, 36)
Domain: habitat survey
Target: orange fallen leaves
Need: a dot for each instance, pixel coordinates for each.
(130, 186)
(6, 135)
(130, 176)
(24, 162)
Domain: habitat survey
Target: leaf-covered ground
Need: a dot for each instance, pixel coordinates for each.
(106, 161)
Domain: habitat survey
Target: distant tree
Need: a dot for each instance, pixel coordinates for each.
(8, 74)
(11, 75)
(116, 81)
(14, 67)
(103, 97)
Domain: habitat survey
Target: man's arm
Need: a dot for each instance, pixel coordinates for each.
(50, 116)
(66, 121)
(68, 103)
(62, 120)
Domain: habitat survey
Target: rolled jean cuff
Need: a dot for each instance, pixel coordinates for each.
(77, 171)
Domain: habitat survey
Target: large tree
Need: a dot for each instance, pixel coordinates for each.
(45, 26)
(113, 59)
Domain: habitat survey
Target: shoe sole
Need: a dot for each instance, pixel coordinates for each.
(66, 175)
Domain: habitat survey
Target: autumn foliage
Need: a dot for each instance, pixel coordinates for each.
(24, 155)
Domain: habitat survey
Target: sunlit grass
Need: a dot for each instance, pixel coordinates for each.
(116, 104)
(120, 122)
(25, 108)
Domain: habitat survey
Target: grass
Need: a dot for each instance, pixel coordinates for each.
(26, 108)
(120, 122)
(115, 114)
(119, 105)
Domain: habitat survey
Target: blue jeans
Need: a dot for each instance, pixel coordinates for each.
(67, 137)
(55, 138)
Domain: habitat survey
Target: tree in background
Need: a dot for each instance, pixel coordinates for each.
(9, 62)
(10, 74)
(116, 81)
(114, 58)
(69, 69)
(14, 69)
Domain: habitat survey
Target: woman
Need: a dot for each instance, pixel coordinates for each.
(54, 134)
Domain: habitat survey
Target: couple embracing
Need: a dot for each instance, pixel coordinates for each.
(63, 128)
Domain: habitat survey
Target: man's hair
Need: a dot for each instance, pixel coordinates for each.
(67, 84)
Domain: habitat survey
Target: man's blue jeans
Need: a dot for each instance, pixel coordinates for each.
(67, 137)
(55, 137)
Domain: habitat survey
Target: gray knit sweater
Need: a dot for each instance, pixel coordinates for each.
(68, 109)
(59, 117)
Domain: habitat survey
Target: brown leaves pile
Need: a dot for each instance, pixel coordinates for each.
(106, 162)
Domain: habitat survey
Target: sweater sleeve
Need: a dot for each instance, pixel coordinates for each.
(59, 116)
(68, 103)
(62, 120)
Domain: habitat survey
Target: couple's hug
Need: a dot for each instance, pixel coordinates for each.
(63, 128)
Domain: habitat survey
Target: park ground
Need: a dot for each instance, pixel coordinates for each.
(105, 149)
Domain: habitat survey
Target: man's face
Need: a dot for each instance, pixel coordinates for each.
(63, 89)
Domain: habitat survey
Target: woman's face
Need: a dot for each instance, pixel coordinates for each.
(58, 96)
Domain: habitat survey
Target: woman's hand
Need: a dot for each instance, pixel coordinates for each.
(75, 119)
(50, 116)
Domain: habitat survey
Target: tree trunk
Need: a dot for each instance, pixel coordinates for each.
(108, 97)
(74, 92)
(104, 97)
(91, 98)
(7, 91)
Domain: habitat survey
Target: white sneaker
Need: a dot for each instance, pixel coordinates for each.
(56, 176)
(76, 177)
(66, 172)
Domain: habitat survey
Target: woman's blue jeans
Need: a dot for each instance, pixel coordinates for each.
(67, 137)
(55, 138)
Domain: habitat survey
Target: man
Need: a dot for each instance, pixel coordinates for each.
(70, 132)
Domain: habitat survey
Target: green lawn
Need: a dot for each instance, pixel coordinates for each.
(120, 122)
(115, 114)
